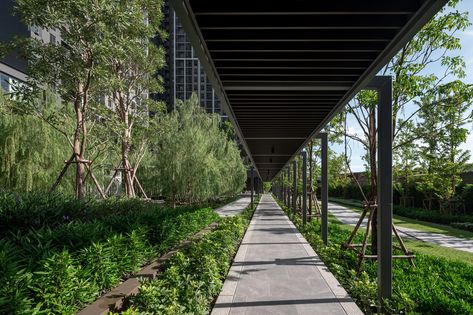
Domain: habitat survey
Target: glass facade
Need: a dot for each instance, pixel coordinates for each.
(7, 82)
(189, 75)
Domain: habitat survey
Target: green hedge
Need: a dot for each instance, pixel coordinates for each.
(434, 286)
(351, 191)
(194, 277)
(58, 254)
(464, 222)
(431, 216)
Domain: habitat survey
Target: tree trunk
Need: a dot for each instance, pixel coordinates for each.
(126, 145)
(373, 179)
(78, 149)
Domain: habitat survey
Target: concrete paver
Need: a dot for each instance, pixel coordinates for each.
(348, 216)
(276, 271)
(234, 208)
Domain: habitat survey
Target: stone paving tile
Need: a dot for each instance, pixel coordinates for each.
(348, 216)
(276, 272)
(234, 208)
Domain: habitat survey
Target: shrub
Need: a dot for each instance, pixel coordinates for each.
(467, 196)
(58, 265)
(434, 286)
(193, 277)
(468, 226)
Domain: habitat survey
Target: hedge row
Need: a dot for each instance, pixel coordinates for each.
(351, 191)
(434, 286)
(76, 250)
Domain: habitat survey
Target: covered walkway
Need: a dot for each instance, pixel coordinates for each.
(277, 272)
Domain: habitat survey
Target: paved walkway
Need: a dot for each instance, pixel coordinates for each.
(234, 208)
(277, 272)
(348, 216)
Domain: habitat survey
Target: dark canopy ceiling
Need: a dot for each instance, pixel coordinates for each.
(283, 68)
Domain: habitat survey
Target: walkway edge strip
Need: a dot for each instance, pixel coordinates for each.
(233, 277)
(113, 300)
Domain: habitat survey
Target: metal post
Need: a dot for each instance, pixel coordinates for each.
(283, 188)
(288, 201)
(324, 188)
(252, 184)
(385, 186)
(294, 186)
(304, 187)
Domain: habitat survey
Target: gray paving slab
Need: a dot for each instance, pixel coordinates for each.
(234, 208)
(348, 216)
(276, 271)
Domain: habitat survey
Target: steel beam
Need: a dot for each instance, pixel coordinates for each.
(304, 187)
(294, 186)
(324, 188)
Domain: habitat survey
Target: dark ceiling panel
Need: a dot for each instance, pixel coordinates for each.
(282, 70)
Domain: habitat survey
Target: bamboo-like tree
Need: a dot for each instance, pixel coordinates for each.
(195, 160)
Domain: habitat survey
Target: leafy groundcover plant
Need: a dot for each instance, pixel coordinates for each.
(434, 286)
(59, 254)
(193, 278)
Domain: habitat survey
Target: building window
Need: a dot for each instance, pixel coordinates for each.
(36, 30)
(5, 82)
(52, 39)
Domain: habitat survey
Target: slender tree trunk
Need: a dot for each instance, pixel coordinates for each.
(126, 145)
(78, 149)
(373, 179)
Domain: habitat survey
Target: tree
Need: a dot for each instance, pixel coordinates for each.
(132, 67)
(444, 116)
(194, 160)
(433, 45)
(31, 151)
(74, 68)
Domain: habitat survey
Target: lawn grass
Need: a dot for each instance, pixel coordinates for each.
(419, 246)
(400, 221)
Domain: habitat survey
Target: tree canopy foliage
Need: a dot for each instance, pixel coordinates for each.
(195, 160)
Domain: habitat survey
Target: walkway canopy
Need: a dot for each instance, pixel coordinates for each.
(283, 69)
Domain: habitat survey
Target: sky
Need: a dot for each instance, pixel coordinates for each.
(466, 38)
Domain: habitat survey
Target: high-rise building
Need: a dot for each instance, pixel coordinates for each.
(13, 67)
(184, 74)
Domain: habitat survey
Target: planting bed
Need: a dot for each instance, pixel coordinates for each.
(193, 277)
(434, 286)
(58, 254)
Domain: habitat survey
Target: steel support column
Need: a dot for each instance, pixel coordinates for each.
(383, 84)
(324, 188)
(252, 184)
(288, 201)
(304, 187)
(283, 186)
(294, 185)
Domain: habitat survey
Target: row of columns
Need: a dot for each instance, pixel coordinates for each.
(256, 185)
(289, 196)
(383, 85)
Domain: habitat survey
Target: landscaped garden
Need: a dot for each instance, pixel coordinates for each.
(434, 286)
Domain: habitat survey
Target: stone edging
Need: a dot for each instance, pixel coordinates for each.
(113, 300)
